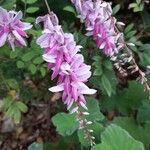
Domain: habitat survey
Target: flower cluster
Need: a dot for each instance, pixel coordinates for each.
(99, 23)
(61, 53)
(12, 29)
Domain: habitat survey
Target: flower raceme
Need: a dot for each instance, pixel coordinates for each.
(61, 53)
(99, 23)
(12, 29)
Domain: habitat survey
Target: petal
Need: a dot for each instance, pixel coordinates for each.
(65, 67)
(59, 60)
(19, 38)
(21, 32)
(74, 93)
(27, 26)
(43, 41)
(83, 89)
(3, 15)
(49, 58)
(88, 91)
(83, 105)
(57, 88)
(12, 44)
(67, 85)
(83, 70)
(70, 103)
(78, 60)
(3, 39)
(18, 16)
(84, 77)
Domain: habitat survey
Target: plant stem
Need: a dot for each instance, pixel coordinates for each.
(49, 10)
(84, 125)
(25, 7)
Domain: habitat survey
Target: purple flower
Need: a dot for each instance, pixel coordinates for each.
(61, 53)
(12, 29)
(99, 23)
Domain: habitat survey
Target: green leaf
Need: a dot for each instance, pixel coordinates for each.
(31, 1)
(116, 138)
(35, 146)
(144, 112)
(144, 54)
(140, 133)
(7, 4)
(38, 60)
(43, 71)
(11, 111)
(116, 9)
(133, 5)
(138, 1)
(28, 56)
(94, 110)
(13, 54)
(30, 19)
(13, 84)
(22, 106)
(66, 124)
(7, 102)
(32, 68)
(107, 64)
(32, 10)
(16, 115)
(20, 64)
(128, 28)
(98, 71)
(69, 9)
(131, 34)
(146, 20)
(106, 84)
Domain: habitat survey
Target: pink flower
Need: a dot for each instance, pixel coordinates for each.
(61, 54)
(12, 29)
(99, 23)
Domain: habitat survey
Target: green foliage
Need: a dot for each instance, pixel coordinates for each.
(66, 123)
(94, 110)
(13, 109)
(144, 112)
(144, 54)
(30, 60)
(137, 6)
(127, 100)
(104, 75)
(8, 4)
(116, 9)
(69, 9)
(139, 132)
(32, 9)
(115, 138)
(31, 1)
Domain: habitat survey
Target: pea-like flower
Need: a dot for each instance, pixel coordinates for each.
(61, 53)
(12, 29)
(99, 23)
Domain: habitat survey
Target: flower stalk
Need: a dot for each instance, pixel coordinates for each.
(83, 124)
(49, 10)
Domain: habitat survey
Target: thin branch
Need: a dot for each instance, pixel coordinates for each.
(47, 5)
